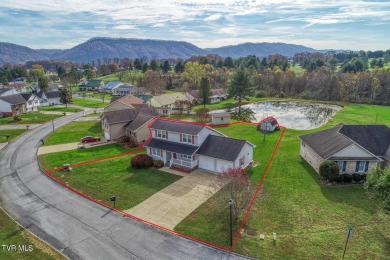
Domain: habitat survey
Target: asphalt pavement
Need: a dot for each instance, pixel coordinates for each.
(78, 227)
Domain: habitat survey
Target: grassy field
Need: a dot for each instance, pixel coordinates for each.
(30, 118)
(12, 234)
(310, 218)
(128, 76)
(228, 103)
(88, 103)
(11, 134)
(116, 177)
(73, 131)
(53, 160)
(59, 109)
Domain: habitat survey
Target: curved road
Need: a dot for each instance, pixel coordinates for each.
(80, 228)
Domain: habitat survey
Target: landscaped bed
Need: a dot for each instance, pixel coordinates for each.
(310, 218)
(30, 118)
(73, 131)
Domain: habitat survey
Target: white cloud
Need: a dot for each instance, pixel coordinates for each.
(124, 27)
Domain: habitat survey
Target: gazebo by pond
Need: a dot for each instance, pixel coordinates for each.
(269, 124)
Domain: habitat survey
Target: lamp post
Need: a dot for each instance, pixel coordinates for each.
(230, 202)
(113, 198)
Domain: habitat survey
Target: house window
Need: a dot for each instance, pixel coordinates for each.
(156, 152)
(342, 165)
(242, 161)
(221, 118)
(360, 166)
(187, 138)
(184, 156)
(161, 134)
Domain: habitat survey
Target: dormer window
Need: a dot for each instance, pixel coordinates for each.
(161, 134)
(187, 138)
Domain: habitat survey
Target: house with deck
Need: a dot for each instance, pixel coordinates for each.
(356, 148)
(189, 146)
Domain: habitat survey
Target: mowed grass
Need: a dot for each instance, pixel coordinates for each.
(59, 109)
(104, 179)
(54, 160)
(73, 131)
(30, 118)
(128, 76)
(88, 103)
(11, 134)
(12, 234)
(228, 103)
(310, 218)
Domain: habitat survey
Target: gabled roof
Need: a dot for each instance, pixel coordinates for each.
(129, 100)
(374, 138)
(118, 116)
(26, 96)
(168, 99)
(91, 83)
(220, 147)
(113, 99)
(3, 90)
(112, 84)
(14, 99)
(52, 94)
(270, 120)
(139, 121)
(178, 127)
(171, 146)
(125, 87)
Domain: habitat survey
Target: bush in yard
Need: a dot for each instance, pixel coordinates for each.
(378, 185)
(357, 177)
(141, 161)
(329, 170)
(347, 178)
(158, 163)
(16, 118)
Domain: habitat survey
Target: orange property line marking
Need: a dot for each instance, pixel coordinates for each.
(48, 173)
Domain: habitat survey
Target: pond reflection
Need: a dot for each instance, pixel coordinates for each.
(295, 114)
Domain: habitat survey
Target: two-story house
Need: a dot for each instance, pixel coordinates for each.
(32, 102)
(189, 146)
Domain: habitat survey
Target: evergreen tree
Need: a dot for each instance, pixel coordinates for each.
(204, 90)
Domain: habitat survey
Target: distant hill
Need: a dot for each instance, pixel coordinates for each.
(99, 48)
(131, 48)
(17, 54)
(260, 49)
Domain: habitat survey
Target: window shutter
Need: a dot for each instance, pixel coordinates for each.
(344, 165)
(193, 139)
(166, 134)
(181, 137)
(366, 167)
(357, 166)
(155, 133)
(161, 153)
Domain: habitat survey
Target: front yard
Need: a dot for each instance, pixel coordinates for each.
(11, 134)
(89, 103)
(30, 118)
(60, 109)
(73, 131)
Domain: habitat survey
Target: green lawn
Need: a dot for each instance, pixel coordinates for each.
(228, 103)
(73, 131)
(12, 234)
(115, 177)
(128, 76)
(310, 218)
(59, 109)
(88, 103)
(30, 118)
(54, 160)
(11, 134)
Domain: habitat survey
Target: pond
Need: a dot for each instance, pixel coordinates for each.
(295, 114)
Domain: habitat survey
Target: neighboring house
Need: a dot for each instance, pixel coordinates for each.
(12, 105)
(189, 146)
(139, 127)
(7, 92)
(36, 88)
(125, 102)
(269, 124)
(125, 89)
(117, 123)
(356, 148)
(168, 103)
(220, 118)
(144, 97)
(49, 98)
(32, 102)
(91, 85)
(110, 86)
(216, 95)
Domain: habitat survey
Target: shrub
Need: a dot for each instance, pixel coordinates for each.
(347, 178)
(260, 94)
(141, 161)
(338, 178)
(158, 163)
(16, 118)
(357, 177)
(329, 170)
(364, 177)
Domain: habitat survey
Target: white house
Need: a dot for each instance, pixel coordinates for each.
(32, 102)
(189, 146)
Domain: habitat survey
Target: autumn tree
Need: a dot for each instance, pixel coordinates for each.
(193, 73)
(202, 116)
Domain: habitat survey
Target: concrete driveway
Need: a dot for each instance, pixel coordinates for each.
(171, 205)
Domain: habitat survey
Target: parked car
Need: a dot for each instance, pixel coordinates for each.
(89, 139)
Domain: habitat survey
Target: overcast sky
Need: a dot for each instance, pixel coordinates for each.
(325, 24)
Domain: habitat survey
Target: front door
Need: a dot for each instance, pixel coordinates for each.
(169, 156)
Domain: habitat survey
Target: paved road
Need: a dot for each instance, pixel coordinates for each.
(81, 229)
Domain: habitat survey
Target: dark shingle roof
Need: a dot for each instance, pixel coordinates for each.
(3, 90)
(113, 99)
(171, 146)
(374, 138)
(39, 94)
(14, 99)
(52, 94)
(118, 116)
(26, 96)
(139, 121)
(221, 147)
(327, 142)
(178, 127)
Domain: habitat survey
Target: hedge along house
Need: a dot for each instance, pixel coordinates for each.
(189, 146)
(356, 148)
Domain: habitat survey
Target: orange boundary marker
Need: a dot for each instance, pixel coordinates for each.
(48, 173)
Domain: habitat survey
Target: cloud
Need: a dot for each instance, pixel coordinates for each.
(124, 27)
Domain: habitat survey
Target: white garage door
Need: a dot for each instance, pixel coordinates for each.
(107, 135)
(206, 163)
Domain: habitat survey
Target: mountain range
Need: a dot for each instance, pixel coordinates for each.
(99, 48)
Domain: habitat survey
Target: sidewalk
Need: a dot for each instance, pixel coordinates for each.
(16, 126)
(2, 145)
